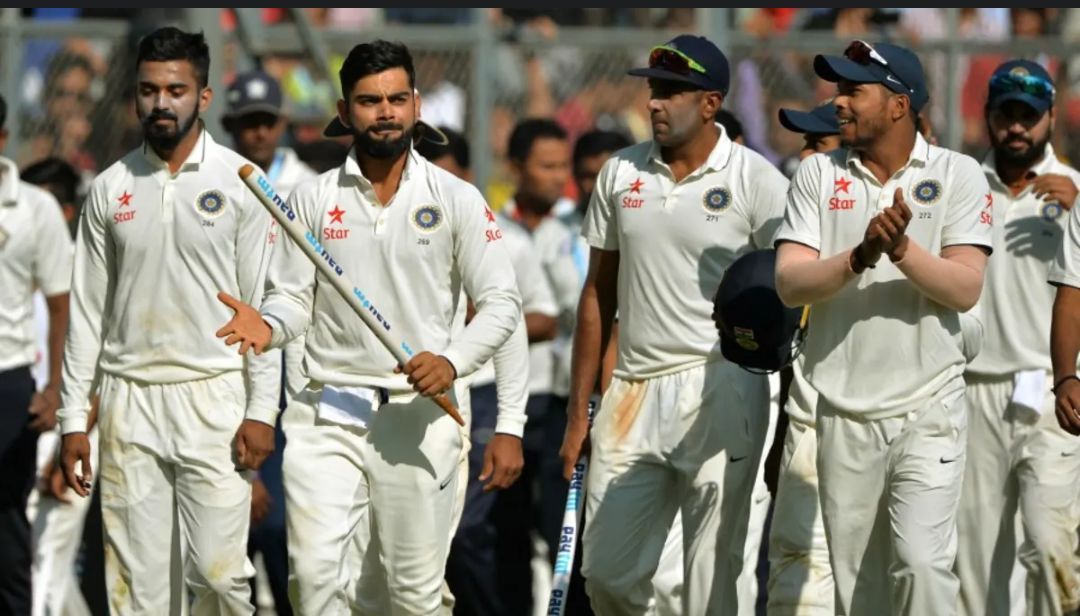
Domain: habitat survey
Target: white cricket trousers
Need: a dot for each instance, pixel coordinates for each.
(690, 440)
(172, 500)
(890, 490)
(800, 576)
(399, 476)
(1017, 459)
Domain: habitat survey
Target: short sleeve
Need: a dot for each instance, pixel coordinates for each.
(969, 217)
(802, 215)
(601, 228)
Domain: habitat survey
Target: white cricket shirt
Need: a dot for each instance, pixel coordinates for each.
(536, 298)
(415, 259)
(879, 347)
(153, 250)
(1016, 302)
(35, 253)
(675, 240)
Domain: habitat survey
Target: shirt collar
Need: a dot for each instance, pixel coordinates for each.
(191, 163)
(9, 182)
(718, 158)
(920, 155)
(351, 168)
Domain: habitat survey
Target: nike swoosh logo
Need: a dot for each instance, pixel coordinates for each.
(893, 79)
(945, 461)
(1067, 454)
(736, 459)
(446, 482)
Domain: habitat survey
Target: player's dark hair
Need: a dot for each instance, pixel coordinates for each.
(527, 132)
(372, 58)
(166, 44)
(597, 142)
(456, 146)
(56, 175)
(3, 111)
(732, 125)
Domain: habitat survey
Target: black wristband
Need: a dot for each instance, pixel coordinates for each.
(858, 265)
(1062, 380)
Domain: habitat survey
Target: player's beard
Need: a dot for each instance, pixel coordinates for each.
(383, 148)
(160, 138)
(1025, 158)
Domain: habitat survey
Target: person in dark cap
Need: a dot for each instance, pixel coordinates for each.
(1019, 458)
(819, 128)
(679, 429)
(885, 350)
(255, 119)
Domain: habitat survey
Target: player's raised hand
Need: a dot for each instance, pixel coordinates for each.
(246, 327)
(503, 462)
(1054, 188)
(894, 221)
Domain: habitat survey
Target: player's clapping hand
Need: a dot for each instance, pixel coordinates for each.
(503, 462)
(890, 227)
(429, 374)
(1054, 188)
(1067, 406)
(246, 327)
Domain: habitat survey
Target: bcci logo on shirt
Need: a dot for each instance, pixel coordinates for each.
(427, 218)
(1052, 211)
(210, 203)
(927, 192)
(716, 199)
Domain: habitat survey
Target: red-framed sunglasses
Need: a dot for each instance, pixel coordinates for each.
(861, 52)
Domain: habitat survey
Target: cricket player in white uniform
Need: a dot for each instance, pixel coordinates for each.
(885, 350)
(255, 120)
(1018, 455)
(679, 428)
(417, 240)
(181, 416)
(800, 577)
(35, 253)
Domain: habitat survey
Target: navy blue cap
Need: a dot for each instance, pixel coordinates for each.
(757, 330)
(253, 92)
(902, 72)
(717, 75)
(820, 120)
(1024, 81)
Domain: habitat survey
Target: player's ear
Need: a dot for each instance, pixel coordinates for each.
(416, 103)
(343, 113)
(710, 104)
(205, 96)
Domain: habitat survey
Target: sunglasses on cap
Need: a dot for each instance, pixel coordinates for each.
(861, 52)
(1028, 84)
(670, 59)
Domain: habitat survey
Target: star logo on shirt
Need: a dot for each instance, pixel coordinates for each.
(635, 186)
(489, 214)
(989, 199)
(125, 199)
(841, 186)
(336, 214)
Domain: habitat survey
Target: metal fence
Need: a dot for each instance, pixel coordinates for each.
(69, 85)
